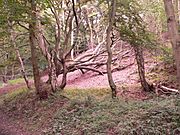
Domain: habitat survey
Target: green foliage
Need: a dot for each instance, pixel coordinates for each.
(167, 55)
(131, 25)
(154, 12)
(90, 116)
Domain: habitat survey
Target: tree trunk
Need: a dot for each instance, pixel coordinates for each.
(12, 39)
(64, 77)
(108, 47)
(53, 75)
(37, 81)
(50, 56)
(141, 70)
(4, 76)
(174, 35)
(12, 72)
(91, 42)
(23, 72)
(5, 80)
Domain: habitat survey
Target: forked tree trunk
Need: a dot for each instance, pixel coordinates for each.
(37, 81)
(108, 47)
(141, 70)
(174, 35)
(50, 56)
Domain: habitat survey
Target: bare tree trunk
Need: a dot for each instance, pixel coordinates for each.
(72, 39)
(50, 56)
(141, 69)
(5, 80)
(12, 38)
(12, 72)
(23, 72)
(4, 75)
(91, 42)
(64, 77)
(32, 27)
(53, 75)
(174, 35)
(34, 60)
(108, 46)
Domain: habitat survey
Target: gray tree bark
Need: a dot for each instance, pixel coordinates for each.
(32, 39)
(141, 69)
(12, 39)
(174, 35)
(108, 47)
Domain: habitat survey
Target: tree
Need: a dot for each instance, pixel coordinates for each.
(132, 30)
(13, 42)
(32, 27)
(174, 35)
(11, 13)
(108, 46)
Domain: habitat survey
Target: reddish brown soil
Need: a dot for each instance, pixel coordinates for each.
(8, 127)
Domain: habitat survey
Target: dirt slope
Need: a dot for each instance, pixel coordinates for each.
(8, 127)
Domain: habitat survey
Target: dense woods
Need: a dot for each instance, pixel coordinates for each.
(63, 36)
(55, 39)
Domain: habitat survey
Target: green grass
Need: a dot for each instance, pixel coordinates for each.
(16, 81)
(98, 93)
(13, 95)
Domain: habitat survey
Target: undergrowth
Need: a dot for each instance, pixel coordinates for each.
(93, 112)
(101, 117)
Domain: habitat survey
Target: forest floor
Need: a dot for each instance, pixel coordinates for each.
(22, 113)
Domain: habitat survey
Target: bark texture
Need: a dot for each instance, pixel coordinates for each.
(37, 81)
(141, 70)
(174, 35)
(108, 46)
(12, 39)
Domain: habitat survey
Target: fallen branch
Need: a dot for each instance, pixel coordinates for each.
(169, 89)
(89, 68)
(119, 68)
(164, 89)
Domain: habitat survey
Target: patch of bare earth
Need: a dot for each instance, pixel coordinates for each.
(9, 127)
(28, 115)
